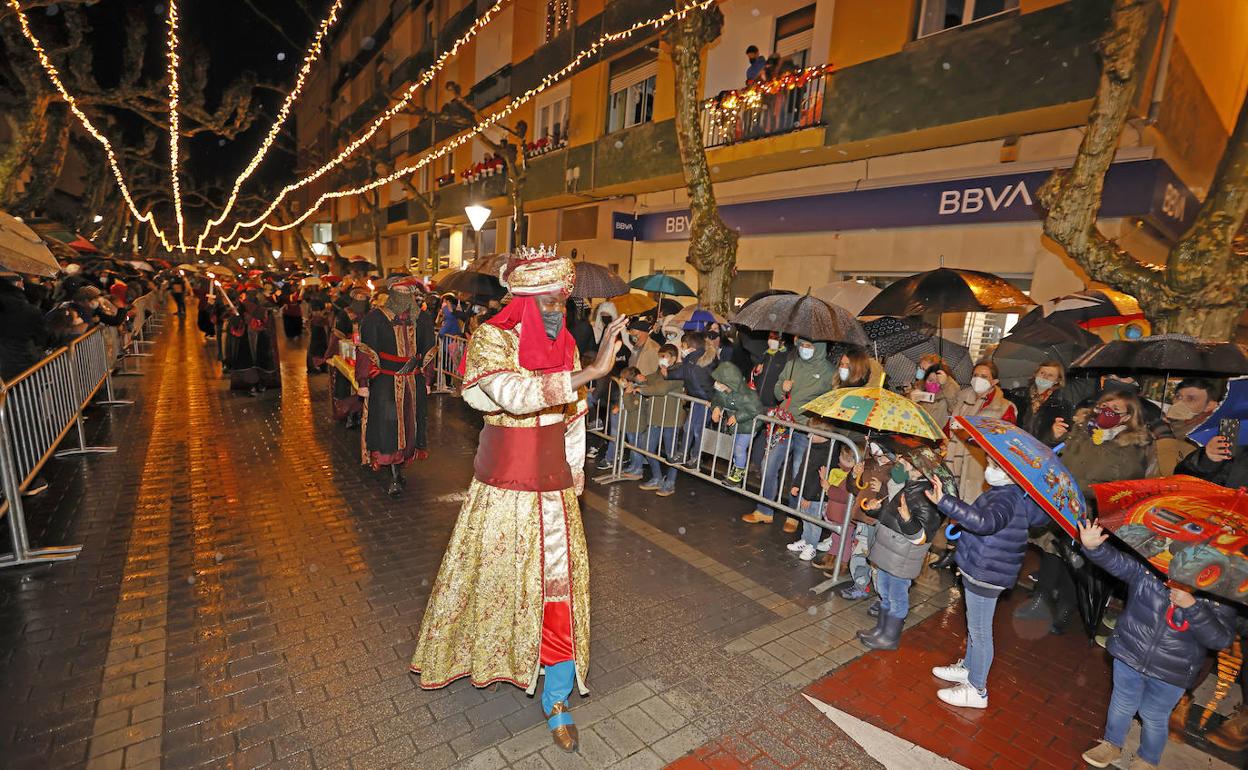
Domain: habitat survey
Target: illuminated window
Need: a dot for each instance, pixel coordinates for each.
(940, 15)
(632, 97)
(558, 17)
(552, 120)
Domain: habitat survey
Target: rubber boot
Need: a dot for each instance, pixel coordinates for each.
(866, 634)
(946, 560)
(889, 636)
(1062, 614)
(396, 486)
(874, 609)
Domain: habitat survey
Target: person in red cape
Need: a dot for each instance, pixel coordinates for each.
(511, 600)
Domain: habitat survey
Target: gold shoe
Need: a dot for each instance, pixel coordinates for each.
(565, 736)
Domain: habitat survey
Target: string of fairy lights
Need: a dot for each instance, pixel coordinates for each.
(309, 58)
(54, 77)
(233, 241)
(394, 109)
(465, 137)
(171, 17)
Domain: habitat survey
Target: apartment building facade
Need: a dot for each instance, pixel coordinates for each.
(895, 135)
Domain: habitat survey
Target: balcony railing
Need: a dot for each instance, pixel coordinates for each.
(786, 103)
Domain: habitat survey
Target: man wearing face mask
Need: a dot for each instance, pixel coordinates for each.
(806, 376)
(511, 600)
(768, 374)
(1194, 400)
(644, 353)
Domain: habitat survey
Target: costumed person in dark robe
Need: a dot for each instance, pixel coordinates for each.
(204, 321)
(253, 354)
(345, 404)
(320, 321)
(511, 599)
(388, 373)
(292, 312)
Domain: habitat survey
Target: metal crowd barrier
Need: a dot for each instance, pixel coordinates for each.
(40, 407)
(446, 377)
(769, 459)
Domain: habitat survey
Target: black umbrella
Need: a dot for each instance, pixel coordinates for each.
(802, 316)
(947, 290)
(469, 282)
(1092, 589)
(755, 342)
(1168, 353)
(597, 281)
(1050, 339)
(900, 366)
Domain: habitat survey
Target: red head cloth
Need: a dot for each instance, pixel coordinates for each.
(538, 353)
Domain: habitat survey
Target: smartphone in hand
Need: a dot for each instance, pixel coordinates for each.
(1228, 427)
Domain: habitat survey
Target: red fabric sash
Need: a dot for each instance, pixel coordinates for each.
(538, 353)
(556, 633)
(523, 459)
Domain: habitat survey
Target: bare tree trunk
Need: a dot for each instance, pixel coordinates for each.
(48, 161)
(26, 134)
(1204, 286)
(712, 245)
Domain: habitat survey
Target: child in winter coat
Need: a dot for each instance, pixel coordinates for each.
(990, 555)
(907, 524)
(1159, 645)
(824, 495)
(735, 407)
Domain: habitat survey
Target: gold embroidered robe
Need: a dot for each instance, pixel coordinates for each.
(511, 550)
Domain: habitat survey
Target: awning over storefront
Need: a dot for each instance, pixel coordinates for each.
(1145, 188)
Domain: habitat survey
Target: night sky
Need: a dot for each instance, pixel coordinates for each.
(235, 38)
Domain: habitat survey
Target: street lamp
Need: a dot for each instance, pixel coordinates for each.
(97, 219)
(277, 254)
(477, 216)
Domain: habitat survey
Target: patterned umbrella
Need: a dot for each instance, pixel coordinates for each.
(1194, 531)
(891, 335)
(1168, 353)
(802, 316)
(663, 284)
(946, 290)
(900, 366)
(597, 281)
(878, 409)
(1032, 465)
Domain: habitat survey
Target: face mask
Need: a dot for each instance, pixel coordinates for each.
(918, 373)
(932, 387)
(996, 477)
(1107, 418)
(1043, 384)
(898, 474)
(1180, 411)
(721, 387)
(665, 362)
(773, 344)
(552, 322)
(843, 373)
(981, 385)
(806, 353)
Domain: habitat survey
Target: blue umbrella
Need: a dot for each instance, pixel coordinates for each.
(663, 284)
(1032, 465)
(1233, 407)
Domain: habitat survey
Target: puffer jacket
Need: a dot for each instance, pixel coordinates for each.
(811, 379)
(740, 399)
(1144, 640)
(767, 375)
(1232, 473)
(900, 546)
(994, 533)
(697, 378)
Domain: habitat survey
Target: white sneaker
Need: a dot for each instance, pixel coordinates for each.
(953, 673)
(808, 553)
(796, 545)
(825, 545)
(963, 696)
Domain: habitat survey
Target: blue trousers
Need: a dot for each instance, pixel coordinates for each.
(813, 533)
(894, 593)
(979, 613)
(1135, 693)
(558, 685)
(662, 441)
(794, 448)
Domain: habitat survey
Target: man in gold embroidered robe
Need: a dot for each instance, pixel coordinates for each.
(512, 595)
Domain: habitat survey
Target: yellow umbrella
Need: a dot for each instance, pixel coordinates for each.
(222, 271)
(876, 408)
(633, 304)
(188, 267)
